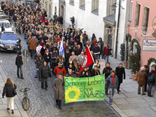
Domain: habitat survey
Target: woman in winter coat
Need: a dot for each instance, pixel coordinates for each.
(9, 91)
(150, 82)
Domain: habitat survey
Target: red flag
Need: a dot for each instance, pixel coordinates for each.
(88, 60)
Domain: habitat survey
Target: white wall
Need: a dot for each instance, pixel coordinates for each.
(85, 19)
(123, 25)
(55, 4)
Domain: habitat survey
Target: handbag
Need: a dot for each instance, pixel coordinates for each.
(14, 91)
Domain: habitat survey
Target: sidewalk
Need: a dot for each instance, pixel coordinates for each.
(19, 112)
(128, 103)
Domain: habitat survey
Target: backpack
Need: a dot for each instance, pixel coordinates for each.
(150, 78)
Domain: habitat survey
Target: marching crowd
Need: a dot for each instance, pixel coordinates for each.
(43, 38)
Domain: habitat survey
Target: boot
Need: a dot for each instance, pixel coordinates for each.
(150, 94)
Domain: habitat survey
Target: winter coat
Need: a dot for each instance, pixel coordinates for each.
(19, 61)
(120, 72)
(54, 57)
(151, 74)
(85, 38)
(39, 62)
(107, 71)
(108, 53)
(95, 73)
(84, 74)
(96, 50)
(62, 70)
(78, 51)
(47, 57)
(58, 87)
(45, 72)
(141, 77)
(8, 90)
(32, 43)
(109, 80)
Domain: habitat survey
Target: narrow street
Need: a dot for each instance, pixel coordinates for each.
(42, 101)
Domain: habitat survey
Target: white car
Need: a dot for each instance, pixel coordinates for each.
(6, 24)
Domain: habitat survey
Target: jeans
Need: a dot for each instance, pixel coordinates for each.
(32, 52)
(139, 88)
(10, 102)
(19, 69)
(150, 87)
(106, 57)
(97, 56)
(44, 83)
(111, 94)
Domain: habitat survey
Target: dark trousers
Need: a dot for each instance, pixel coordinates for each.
(146, 86)
(44, 83)
(118, 88)
(19, 71)
(58, 102)
(32, 52)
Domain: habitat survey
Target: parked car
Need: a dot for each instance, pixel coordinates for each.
(8, 41)
(6, 25)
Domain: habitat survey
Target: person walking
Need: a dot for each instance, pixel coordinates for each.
(19, 64)
(9, 91)
(113, 83)
(59, 69)
(45, 72)
(58, 89)
(107, 71)
(141, 80)
(106, 53)
(32, 44)
(95, 71)
(120, 72)
(150, 81)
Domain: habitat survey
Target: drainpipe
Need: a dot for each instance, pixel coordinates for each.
(116, 46)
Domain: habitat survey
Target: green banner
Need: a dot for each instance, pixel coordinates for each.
(84, 89)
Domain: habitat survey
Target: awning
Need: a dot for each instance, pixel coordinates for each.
(110, 19)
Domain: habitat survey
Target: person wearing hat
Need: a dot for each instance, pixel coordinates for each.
(19, 64)
(60, 68)
(85, 72)
(141, 80)
(58, 89)
(112, 80)
(39, 63)
(45, 72)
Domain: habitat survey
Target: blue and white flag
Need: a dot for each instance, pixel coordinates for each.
(61, 50)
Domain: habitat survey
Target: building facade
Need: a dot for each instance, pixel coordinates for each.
(143, 31)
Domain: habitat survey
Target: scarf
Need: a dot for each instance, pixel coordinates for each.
(153, 71)
(112, 79)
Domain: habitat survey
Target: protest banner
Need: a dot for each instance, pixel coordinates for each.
(84, 89)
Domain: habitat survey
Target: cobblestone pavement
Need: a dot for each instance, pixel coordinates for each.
(42, 102)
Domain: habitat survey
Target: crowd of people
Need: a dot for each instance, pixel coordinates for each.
(43, 38)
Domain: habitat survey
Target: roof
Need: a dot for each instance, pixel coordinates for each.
(110, 19)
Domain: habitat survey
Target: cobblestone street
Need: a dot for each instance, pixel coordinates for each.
(42, 102)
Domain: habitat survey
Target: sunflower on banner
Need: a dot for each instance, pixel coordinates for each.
(72, 94)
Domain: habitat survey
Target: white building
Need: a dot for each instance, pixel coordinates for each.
(95, 16)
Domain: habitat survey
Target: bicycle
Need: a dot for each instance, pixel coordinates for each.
(25, 100)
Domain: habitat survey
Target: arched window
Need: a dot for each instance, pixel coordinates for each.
(95, 7)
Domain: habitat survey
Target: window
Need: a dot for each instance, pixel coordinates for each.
(95, 7)
(137, 15)
(131, 12)
(71, 2)
(145, 20)
(82, 4)
(111, 7)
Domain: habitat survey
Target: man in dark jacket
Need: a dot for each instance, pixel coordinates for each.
(19, 64)
(85, 38)
(45, 72)
(39, 63)
(54, 59)
(85, 72)
(120, 72)
(150, 81)
(107, 71)
(96, 51)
